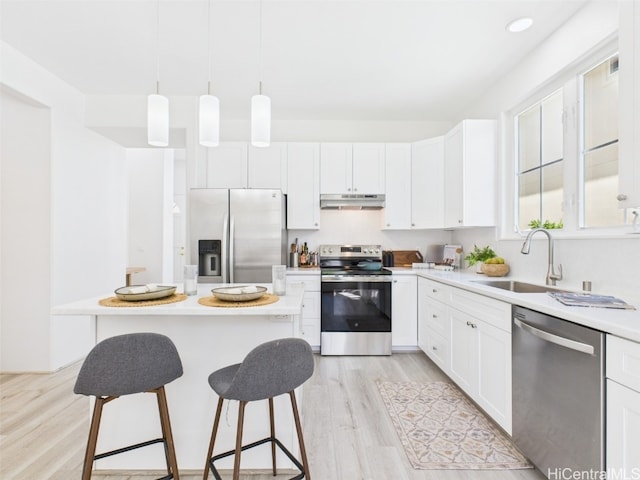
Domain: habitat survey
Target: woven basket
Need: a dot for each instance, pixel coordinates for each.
(495, 269)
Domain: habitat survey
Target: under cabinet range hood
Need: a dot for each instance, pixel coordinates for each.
(352, 201)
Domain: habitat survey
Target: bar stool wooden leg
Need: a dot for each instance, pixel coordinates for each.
(303, 451)
(273, 435)
(214, 432)
(236, 463)
(170, 452)
(93, 438)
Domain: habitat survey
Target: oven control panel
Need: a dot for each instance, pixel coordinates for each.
(346, 251)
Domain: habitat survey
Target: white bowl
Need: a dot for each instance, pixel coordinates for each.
(241, 293)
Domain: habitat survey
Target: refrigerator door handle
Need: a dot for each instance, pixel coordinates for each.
(225, 263)
(232, 228)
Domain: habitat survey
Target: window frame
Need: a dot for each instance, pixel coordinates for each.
(567, 79)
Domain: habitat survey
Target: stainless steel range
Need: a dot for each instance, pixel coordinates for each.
(355, 310)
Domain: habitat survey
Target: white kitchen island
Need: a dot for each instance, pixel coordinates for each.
(207, 338)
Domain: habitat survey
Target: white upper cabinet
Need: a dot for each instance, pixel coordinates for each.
(397, 211)
(368, 168)
(303, 179)
(227, 165)
(629, 89)
(347, 168)
(239, 165)
(336, 172)
(267, 167)
(427, 183)
(469, 174)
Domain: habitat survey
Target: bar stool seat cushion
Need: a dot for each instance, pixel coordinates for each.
(128, 364)
(269, 370)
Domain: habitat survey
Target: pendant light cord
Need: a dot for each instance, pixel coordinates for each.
(158, 47)
(209, 47)
(260, 49)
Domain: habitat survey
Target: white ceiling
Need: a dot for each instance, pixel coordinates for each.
(321, 59)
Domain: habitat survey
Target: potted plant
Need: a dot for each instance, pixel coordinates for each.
(478, 256)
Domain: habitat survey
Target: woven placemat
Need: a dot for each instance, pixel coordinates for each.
(212, 301)
(116, 302)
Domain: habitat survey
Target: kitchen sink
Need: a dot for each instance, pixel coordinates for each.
(518, 287)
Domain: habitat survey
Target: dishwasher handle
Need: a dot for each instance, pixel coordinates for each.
(558, 340)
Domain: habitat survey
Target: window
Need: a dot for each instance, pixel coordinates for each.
(565, 165)
(540, 163)
(599, 146)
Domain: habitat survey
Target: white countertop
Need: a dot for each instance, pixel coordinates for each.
(289, 304)
(623, 323)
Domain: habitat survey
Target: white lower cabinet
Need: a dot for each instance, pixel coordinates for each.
(310, 321)
(404, 311)
(623, 407)
(469, 337)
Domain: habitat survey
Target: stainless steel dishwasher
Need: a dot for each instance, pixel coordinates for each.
(558, 393)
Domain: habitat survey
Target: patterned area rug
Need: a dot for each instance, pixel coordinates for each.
(441, 429)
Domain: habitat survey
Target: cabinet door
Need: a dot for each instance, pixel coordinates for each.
(267, 167)
(336, 173)
(464, 350)
(227, 165)
(397, 211)
(629, 121)
(623, 429)
(303, 180)
(453, 175)
(404, 311)
(469, 174)
(368, 168)
(427, 183)
(494, 373)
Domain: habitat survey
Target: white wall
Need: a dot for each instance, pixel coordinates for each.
(25, 241)
(150, 186)
(63, 216)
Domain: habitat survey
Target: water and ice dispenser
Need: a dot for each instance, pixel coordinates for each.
(209, 258)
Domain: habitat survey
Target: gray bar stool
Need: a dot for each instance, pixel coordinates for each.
(269, 370)
(124, 365)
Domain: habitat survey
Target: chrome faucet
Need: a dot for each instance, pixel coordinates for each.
(552, 276)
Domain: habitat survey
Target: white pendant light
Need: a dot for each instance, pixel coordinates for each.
(158, 105)
(209, 107)
(158, 120)
(260, 120)
(260, 107)
(209, 121)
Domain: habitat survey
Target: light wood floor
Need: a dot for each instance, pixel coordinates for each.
(348, 433)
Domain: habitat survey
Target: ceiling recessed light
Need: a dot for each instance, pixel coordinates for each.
(519, 24)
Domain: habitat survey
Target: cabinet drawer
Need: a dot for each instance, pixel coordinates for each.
(311, 282)
(435, 290)
(438, 349)
(623, 361)
(492, 311)
(437, 319)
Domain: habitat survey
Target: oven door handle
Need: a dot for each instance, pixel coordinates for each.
(356, 278)
(550, 337)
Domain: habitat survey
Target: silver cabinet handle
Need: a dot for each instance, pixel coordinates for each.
(621, 197)
(472, 325)
(550, 337)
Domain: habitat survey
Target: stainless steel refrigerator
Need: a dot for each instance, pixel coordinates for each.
(237, 235)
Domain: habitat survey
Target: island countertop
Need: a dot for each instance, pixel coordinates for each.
(289, 304)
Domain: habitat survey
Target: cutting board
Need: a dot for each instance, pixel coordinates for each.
(405, 258)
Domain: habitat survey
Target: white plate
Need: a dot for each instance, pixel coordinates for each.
(161, 291)
(236, 294)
